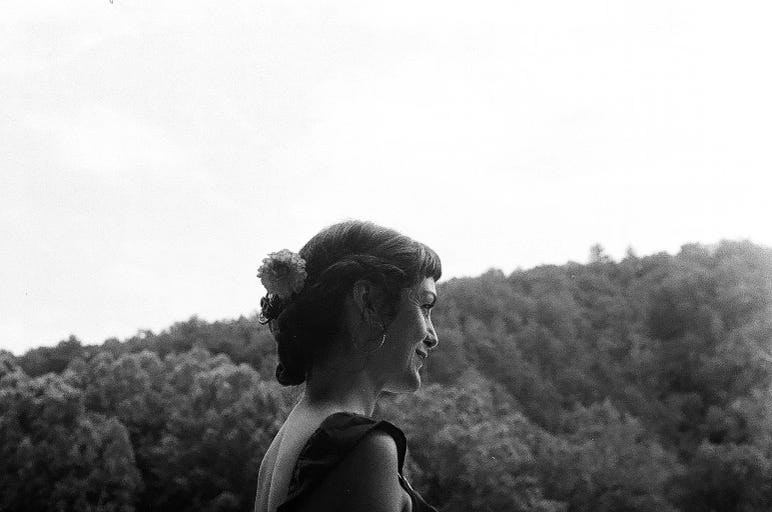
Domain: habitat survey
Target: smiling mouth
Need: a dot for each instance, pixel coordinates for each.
(422, 355)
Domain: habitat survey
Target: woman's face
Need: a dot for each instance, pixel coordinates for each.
(409, 338)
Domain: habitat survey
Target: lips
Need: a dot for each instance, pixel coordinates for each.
(422, 355)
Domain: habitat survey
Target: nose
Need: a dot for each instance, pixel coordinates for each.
(431, 340)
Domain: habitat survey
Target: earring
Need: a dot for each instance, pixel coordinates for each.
(380, 344)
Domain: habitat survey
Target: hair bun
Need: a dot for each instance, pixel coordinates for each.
(293, 357)
(286, 377)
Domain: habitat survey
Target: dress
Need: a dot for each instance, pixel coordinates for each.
(329, 444)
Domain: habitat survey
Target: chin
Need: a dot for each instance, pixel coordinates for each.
(410, 384)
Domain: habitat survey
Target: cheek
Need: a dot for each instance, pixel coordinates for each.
(403, 341)
(407, 330)
(419, 325)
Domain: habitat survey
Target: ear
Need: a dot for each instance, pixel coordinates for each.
(366, 297)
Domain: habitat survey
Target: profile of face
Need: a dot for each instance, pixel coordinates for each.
(409, 339)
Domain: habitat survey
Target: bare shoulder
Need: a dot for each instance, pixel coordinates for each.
(366, 479)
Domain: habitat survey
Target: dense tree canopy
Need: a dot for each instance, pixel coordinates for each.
(638, 385)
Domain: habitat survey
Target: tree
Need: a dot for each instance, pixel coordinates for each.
(56, 456)
(727, 478)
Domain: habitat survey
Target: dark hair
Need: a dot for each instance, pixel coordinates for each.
(337, 257)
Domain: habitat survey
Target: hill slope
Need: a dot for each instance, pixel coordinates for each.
(636, 385)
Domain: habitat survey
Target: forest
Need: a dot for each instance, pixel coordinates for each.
(637, 385)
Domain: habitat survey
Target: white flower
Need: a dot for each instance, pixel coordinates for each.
(283, 273)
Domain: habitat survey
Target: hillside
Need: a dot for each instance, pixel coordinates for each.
(638, 385)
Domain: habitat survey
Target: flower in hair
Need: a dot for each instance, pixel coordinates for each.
(283, 273)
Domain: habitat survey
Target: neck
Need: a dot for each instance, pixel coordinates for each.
(336, 387)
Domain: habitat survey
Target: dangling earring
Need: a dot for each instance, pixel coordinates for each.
(380, 344)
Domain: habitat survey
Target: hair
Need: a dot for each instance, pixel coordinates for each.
(305, 325)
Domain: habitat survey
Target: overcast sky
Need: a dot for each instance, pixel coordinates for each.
(152, 152)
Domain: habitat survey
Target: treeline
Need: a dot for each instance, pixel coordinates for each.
(638, 385)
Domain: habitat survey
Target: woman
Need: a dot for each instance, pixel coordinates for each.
(351, 317)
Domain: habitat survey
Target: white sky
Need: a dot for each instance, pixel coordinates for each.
(152, 152)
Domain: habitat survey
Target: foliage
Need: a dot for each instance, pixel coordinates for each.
(57, 456)
(638, 385)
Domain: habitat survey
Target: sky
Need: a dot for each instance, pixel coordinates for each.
(153, 152)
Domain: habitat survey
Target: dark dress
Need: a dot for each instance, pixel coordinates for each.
(329, 444)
